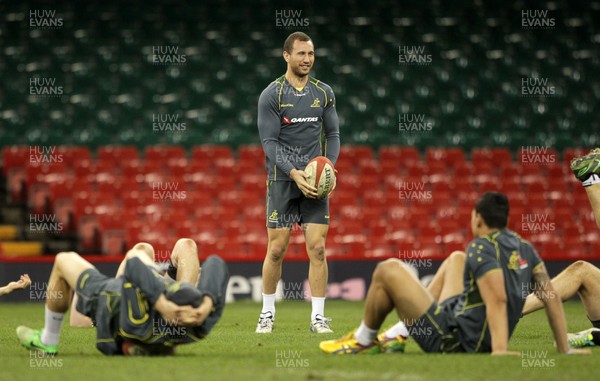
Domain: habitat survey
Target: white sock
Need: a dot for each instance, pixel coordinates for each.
(399, 329)
(365, 335)
(593, 179)
(269, 304)
(318, 307)
(51, 332)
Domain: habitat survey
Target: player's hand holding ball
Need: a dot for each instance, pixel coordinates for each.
(300, 177)
(321, 176)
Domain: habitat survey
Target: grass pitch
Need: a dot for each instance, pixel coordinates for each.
(234, 352)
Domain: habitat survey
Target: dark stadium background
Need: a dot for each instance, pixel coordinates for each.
(438, 102)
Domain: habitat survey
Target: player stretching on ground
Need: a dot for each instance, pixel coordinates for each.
(136, 313)
(21, 284)
(581, 278)
(184, 266)
(500, 267)
(295, 113)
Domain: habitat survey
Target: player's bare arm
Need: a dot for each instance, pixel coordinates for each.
(21, 284)
(491, 287)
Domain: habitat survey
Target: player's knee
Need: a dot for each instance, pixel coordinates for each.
(276, 252)
(187, 244)
(580, 267)
(145, 247)
(458, 255)
(317, 252)
(384, 267)
(64, 256)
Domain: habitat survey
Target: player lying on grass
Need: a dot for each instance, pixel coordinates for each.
(138, 312)
(184, 266)
(499, 269)
(20, 284)
(581, 278)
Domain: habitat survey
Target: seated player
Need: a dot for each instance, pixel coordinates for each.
(127, 310)
(20, 284)
(184, 266)
(581, 278)
(499, 268)
(446, 283)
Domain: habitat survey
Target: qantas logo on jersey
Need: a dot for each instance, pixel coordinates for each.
(287, 120)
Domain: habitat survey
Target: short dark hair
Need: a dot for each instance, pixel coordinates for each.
(288, 45)
(493, 208)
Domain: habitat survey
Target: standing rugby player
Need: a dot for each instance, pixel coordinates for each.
(297, 121)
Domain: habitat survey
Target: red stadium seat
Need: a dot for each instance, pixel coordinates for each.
(464, 185)
(463, 169)
(88, 230)
(117, 154)
(510, 170)
(418, 168)
(479, 155)
(369, 167)
(486, 183)
(345, 166)
(558, 185)
(484, 168)
(448, 156)
(398, 154)
(510, 185)
(500, 155)
(210, 153)
(369, 183)
(164, 153)
(71, 155)
(251, 153)
(114, 242)
(375, 199)
(558, 170)
(356, 152)
(570, 153)
(178, 167)
(15, 157)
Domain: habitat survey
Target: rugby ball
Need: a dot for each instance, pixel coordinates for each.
(321, 175)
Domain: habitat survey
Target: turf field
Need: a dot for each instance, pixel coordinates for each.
(234, 352)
